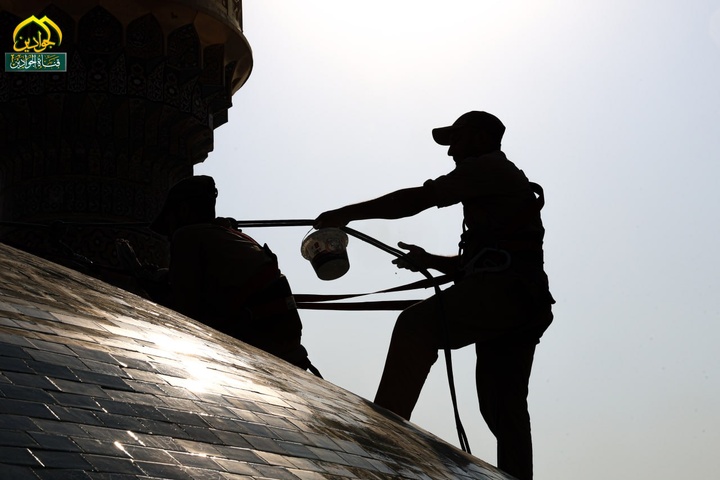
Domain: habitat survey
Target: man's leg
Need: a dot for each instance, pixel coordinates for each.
(502, 373)
(460, 318)
(412, 352)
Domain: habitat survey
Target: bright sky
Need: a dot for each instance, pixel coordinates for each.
(613, 106)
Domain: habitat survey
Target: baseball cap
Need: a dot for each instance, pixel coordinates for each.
(487, 122)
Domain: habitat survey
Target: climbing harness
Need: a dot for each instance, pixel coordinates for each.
(488, 260)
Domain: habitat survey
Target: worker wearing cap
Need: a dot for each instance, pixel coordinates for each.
(500, 302)
(224, 278)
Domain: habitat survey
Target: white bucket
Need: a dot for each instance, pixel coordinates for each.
(326, 250)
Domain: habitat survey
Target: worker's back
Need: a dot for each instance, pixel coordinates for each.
(226, 280)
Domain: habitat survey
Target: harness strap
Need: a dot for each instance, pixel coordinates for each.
(538, 190)
(425, 283)
(359, 306)
(510, 238)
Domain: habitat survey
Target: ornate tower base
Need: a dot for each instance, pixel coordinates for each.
(99, 145)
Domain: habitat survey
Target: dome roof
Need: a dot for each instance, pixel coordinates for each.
(97, 383)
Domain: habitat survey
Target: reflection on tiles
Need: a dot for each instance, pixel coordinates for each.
(96, 383)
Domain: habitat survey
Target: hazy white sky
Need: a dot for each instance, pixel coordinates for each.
(613, 106)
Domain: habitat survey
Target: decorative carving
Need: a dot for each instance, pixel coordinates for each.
(237, 11)
(102, 142)
(144, 38)
(99, 32)
(118, 76)
(183, 50)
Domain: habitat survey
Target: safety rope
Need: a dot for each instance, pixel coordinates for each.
(384, 305)
(464, 444)
(315, 301)
(434, 282)
(462, 437)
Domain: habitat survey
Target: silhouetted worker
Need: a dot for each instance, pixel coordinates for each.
(225, 279)
(501, 300)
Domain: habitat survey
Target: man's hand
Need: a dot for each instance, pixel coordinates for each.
(331, 218)
(416, 256)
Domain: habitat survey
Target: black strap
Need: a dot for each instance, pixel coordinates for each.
(425, 283)
(363, 306)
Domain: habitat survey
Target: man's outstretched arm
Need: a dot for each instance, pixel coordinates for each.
(399, 204)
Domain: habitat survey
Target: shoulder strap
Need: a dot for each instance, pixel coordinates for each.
(538, 190)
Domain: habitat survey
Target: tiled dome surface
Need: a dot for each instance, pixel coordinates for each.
(97, 383)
